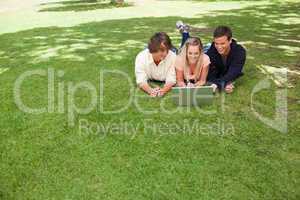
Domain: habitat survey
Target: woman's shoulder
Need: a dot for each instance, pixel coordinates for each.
(206, 59)
(179, 62)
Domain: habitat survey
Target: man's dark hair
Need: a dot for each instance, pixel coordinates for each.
(159, 41)
(221, 31)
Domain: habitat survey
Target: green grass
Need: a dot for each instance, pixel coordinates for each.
(43, 157)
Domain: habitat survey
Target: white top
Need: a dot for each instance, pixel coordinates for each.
(146, 69)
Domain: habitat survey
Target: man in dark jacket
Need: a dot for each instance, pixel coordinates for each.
(227, 59)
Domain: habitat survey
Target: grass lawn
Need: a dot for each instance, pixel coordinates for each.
(138, 155)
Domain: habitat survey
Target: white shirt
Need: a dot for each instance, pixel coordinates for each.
(146, 69)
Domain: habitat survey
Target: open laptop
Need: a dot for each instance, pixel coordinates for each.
(192, 96)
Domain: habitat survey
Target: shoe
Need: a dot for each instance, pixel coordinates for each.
(179, 24)
(182, 27)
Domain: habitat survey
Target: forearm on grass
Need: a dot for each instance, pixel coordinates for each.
(145, 87)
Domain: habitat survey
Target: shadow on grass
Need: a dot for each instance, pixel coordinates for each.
(77, 6)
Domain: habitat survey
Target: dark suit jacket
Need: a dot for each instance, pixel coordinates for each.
(222, 74)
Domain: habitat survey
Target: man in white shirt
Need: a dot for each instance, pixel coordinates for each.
(157, 62)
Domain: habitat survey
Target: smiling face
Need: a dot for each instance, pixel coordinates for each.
(193, 53)
(159, 46)
(160, 55)
(222, 45)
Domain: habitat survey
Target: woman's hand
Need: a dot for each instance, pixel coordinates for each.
(190, 85)
(181, 84)
(200, 83)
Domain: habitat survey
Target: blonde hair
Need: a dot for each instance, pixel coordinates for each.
(192, 41)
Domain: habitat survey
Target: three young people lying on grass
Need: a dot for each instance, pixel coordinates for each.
(219, 66)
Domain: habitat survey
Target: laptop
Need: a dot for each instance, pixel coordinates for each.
(192, 96)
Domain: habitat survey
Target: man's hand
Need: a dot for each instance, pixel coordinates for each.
(167, 87)
(215, 87)
(229, 88)
(161, 93)
(154, 91)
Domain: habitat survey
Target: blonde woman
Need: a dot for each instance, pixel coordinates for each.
(192, 64)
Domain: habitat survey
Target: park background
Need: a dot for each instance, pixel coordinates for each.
(44, 156)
